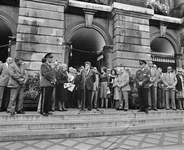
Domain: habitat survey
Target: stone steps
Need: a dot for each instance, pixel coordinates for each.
(32, 125)
(80, 124)
(85, 132)
(73, 115)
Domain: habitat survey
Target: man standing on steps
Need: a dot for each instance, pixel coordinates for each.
(4, 78)
(47, 83)
(170, 81)
(87, 78)
(16, 84)
(142, 80)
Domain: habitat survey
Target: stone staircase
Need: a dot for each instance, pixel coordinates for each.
(32, 126)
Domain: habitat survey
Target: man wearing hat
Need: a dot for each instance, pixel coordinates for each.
(16, 84)
(87, 78)
(47, 83)
(142, 80)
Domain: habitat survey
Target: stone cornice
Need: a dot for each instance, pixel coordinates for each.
(123, 8)
(53, 2)
(91, 6)
(131, 8)
(167, 19)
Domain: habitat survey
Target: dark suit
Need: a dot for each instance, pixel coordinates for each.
(16, 85)
(87, 80)
(143, 75)
(4, 78)
(47, 84)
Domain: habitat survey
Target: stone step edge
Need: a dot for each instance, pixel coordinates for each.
(93, 132)
(90, 121)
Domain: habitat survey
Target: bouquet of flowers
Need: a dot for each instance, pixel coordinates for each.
(159, 8)
(32, 89)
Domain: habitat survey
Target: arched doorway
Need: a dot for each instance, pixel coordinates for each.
(4, 40)
(86, 44)
(163, 53)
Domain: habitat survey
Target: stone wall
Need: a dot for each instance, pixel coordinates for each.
(40, 30)
(131, 40)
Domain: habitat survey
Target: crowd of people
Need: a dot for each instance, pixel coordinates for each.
(86, 88)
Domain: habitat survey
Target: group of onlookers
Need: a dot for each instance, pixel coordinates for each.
(86, 87)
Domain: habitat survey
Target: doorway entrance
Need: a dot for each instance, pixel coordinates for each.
(163, 53)
(4, 40)
(86, 44)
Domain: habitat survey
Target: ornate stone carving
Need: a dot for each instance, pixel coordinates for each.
(89, 17)
(163, 29)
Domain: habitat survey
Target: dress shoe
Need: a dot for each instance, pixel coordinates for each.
(12, 113)
(63, 109)
(45, 114)
(89, 109)
(140, 110)
(50, 113)
(146, 111)
(174, 109)
(20, 112)
(155, 109)
(125, 109)
(7, 111)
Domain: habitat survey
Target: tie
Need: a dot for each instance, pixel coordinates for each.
(86, 72)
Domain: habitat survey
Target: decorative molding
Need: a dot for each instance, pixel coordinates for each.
(10, 23)
(53, 2)
(96, 26)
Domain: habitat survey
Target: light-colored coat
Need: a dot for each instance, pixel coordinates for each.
(153, 77)
(17, 75)
(123, 81)
(4, 77)
(169, 80)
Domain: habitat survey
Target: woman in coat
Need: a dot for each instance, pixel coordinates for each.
(62, 78)
(104, 86)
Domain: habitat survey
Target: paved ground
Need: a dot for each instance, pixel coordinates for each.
(150, 141)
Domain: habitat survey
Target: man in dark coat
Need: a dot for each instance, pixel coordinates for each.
(47, 83)
(87, 78)
(142, 80)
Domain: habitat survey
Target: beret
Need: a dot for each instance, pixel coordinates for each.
(142, 62)
(48, 55)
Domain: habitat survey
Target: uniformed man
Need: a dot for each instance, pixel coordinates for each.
(47, 83)
(142, 80)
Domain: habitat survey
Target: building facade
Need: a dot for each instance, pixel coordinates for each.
(107, 33)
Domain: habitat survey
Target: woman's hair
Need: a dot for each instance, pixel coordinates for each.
(43, 60)
(115, 72)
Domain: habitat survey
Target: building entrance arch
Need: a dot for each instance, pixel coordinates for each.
(7, 28)
(87, 44)
(164, 51)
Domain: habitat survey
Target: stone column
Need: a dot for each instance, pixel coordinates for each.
(66, 51)
(131, 41)
(40, 30)
(107, 50)
(182, 44)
